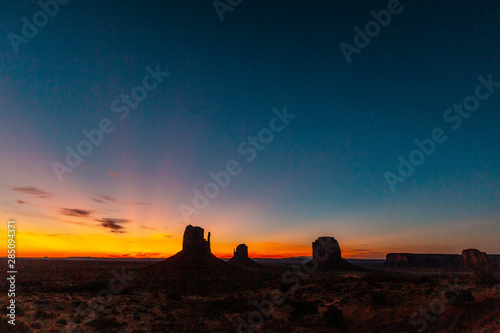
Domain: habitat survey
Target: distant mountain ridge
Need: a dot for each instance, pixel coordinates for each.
(469, 258)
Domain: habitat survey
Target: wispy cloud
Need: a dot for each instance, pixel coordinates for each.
(113, 224)
(32, 191)
(28, 214)
(75, 212)
(136, 255)
(148, 228)
(37, 234)
(138, 203)
(114, 174)
(104, 198)
(80, 223)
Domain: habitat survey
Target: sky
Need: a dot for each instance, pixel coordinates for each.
(303, 120)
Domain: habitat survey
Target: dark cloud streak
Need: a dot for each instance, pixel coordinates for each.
(75, 212)
(33, 191)
(113, 224)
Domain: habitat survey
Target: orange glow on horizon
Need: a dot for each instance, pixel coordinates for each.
(223, 251)
(143, 244)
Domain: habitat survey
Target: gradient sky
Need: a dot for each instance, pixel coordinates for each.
(322, 175)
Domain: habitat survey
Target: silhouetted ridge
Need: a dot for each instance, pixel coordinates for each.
(470, 260)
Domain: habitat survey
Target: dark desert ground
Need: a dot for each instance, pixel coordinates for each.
(194, 291)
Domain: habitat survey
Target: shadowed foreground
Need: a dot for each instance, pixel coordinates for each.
(194, 291)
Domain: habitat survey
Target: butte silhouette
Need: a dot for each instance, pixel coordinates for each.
(240, 258)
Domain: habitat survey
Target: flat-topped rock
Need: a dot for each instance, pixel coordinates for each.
(475, 260)
(327, 254)
(240, 258)
(194, 270)
(326, 247)
(241, 251)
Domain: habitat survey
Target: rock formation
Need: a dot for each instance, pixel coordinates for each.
(475, 260)
(326, 246)
(240, 258)
(194, 243)
(193, 265)
(423, 260)
(327, 254)
(470, 260)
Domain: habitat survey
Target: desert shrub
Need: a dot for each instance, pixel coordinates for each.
(80, 304)
(142, 309)
(423, 280)
(20, 311)
(126, 291)
(284, 287)
(164, 308)
(484, 276)
(333, 316)
(92, 286)
(229, 304)
(379, 298)
(174, 297)
(62, 321)
(104, 323)
(19, 327)
(36, 326)
(380, 277)
(465, 296)
(304, 308)
(42, 314)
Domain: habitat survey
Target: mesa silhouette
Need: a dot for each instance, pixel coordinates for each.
(194, 260)
(240, 258)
